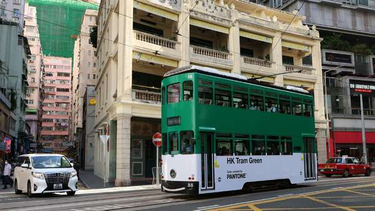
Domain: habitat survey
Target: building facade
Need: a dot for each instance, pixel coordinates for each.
(35, 66)
(86, 149)
(14, 54)
(13, 10)
(56, 105)
(84, 74)
(348, 60)
(145, 39)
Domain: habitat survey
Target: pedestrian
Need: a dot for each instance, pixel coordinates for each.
(6, 175)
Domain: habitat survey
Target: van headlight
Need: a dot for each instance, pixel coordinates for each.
(38, 175)
(73, 174)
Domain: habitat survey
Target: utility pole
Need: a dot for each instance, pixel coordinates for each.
(363, 130)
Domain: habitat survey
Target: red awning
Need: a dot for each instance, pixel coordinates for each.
(353, 137)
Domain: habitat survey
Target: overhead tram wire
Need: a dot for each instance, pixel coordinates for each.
(177, 32)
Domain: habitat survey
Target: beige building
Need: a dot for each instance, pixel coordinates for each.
(143, 39)
(35, 67)
(84, 72)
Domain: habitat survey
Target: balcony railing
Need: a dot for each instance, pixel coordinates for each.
(147, 96)
(257, 62)
(210, 53)
(155, 40)
(300, 69)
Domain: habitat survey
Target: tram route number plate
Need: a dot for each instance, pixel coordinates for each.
(57, 186)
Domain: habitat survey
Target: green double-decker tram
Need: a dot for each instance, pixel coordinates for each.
(223, 132)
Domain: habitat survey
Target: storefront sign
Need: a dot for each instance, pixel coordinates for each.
(341, 58)
(8, 143)
(363, 87)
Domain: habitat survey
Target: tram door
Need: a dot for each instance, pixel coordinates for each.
(309, 158)
(207, 161)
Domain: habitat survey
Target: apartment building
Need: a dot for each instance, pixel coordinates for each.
(139, 41)
(84, 75)
(348, 60)
(35, 66)
(56, 105)
(13, 10)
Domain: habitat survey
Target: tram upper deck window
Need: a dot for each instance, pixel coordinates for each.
(173, 142)
(297, 107)
(174, 93)
(284, 104)
(240, 100)
(223, 95)
(308, 108)
(205, 92)
(224, 147)
(258, 145)
(187, 142)
(188, 90)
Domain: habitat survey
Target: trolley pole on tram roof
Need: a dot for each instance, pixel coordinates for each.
(363, 130)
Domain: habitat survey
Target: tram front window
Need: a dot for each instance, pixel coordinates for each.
(187, 142)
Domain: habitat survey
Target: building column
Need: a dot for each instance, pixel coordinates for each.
(123, 151)
(277, 59)
(234, 47)
(183, 33)
(125, 50)
(320, 119)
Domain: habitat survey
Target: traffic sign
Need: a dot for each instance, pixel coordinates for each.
(156, 139)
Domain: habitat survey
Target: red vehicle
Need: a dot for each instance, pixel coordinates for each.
(345, 166)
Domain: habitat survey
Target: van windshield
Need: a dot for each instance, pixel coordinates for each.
(50, 162)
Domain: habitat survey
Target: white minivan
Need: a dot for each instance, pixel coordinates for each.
(44, 173)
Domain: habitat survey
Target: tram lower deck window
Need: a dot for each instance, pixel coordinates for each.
(164, 142)
(224, 148)
(258, 147)
(242, 147)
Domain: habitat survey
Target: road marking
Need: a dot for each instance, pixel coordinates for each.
(253, 207)
(360, 193)
(328, 203)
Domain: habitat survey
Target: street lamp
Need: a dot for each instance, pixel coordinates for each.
(326, 109)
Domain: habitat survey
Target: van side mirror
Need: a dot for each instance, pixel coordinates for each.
(25, 165)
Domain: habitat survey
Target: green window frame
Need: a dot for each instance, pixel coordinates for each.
(242, 144)
(286, 145)
(223, 95)
(205, 92)
(188, 90)
(240, 97)
(187, 142)
(273, 145)
(258, 145)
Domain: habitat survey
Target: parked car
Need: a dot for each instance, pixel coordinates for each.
(345, 166)
(44, 173)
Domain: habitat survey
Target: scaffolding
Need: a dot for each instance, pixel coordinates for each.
(59, 24)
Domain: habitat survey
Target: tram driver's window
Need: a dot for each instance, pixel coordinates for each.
(164, 142)
(297, 108)
(258, 145)
(224, 147)
(173, 142)
(205, 95)
(187, 142)
(174, 93)
(188, 90)
(241, 147)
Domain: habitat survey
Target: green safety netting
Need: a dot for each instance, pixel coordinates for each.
(59, 23)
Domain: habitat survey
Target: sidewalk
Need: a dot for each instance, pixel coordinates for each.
(91, 181)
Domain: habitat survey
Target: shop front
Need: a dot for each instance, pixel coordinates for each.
(143, 151)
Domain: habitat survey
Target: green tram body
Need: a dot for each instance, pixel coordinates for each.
(232, 122)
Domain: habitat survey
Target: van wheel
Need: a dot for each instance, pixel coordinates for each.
(346, 173)
(16, 191)
(368, 172)
(71, 193)
(29, 194)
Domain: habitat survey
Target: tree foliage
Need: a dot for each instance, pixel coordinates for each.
(335, 42)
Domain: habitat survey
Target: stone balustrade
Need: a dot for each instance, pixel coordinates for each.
(211, 53)
(298, 69)
(147, 96)
(149, 38)
(257, 62)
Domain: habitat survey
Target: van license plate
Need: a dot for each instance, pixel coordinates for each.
(57, 186)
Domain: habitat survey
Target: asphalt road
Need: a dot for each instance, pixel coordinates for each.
(353, 193)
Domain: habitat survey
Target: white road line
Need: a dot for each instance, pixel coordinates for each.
(208, 207)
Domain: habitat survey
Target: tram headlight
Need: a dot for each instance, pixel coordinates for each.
(173, 173)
